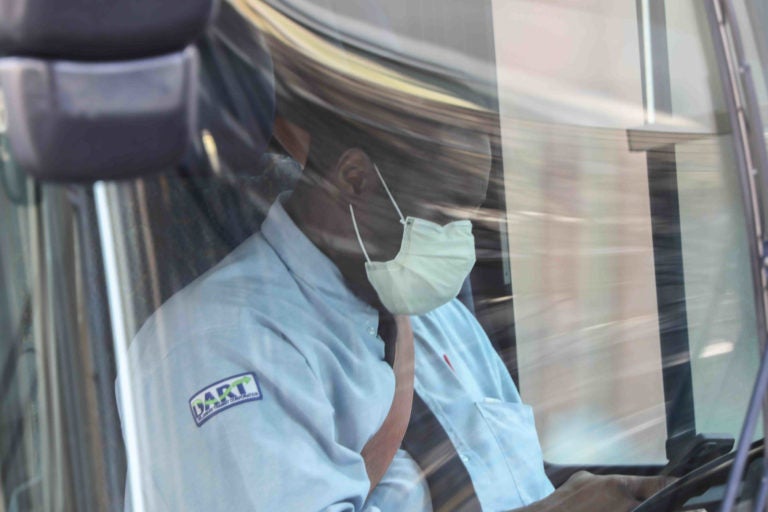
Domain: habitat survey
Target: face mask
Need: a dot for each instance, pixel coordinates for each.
(430, 268)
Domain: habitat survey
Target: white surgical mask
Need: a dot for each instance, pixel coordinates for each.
(430, 267)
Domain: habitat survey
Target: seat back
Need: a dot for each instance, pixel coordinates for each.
(186, 219)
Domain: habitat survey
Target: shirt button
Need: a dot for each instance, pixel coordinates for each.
(372, 331)
(464, 458)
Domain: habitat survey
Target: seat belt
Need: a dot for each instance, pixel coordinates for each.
(410, 424)
(450, 485)
(380, 450)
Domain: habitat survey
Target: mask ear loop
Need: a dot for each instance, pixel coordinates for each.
(357, 232)
(354, 221)
(402, 219)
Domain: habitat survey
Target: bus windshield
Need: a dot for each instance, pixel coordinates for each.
(233, 330)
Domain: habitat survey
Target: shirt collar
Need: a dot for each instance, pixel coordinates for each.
(303, 259)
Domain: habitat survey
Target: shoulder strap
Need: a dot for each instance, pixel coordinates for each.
(379, 451)
(411, 424)
(450, 485)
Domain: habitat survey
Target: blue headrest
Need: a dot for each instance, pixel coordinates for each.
(98, 90)
(100, 30)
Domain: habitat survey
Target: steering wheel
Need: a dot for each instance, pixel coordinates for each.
(696, 482)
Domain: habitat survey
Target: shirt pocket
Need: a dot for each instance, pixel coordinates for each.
(514, 431)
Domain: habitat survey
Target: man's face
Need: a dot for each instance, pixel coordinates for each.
(442, 179)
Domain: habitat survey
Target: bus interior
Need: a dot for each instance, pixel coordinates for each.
(619, 268)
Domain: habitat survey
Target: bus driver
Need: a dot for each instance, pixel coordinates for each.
(258, 386)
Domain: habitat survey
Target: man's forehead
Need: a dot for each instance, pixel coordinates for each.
(438, 138)
(462, 140)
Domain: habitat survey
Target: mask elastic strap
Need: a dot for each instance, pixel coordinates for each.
(402, 219)
(357, 232)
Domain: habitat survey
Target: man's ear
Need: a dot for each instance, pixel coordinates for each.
(355, 174)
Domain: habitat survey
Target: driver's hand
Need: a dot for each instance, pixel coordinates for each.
(585, 492)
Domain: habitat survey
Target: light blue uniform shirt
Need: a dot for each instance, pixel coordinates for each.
(257, 386)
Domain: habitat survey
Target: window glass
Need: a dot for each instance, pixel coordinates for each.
(60, 444)
(20, 457)
(718, 281)
(596, 247)
(612, 270)
(752, 17)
